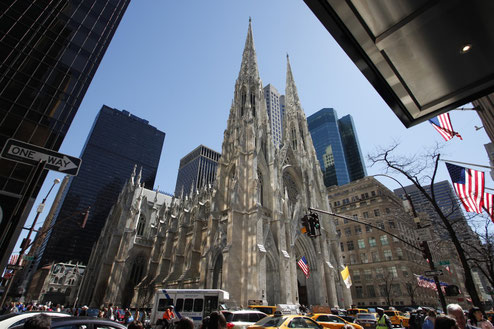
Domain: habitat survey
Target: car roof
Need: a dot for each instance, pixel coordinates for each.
(85, 319)
(243, 311)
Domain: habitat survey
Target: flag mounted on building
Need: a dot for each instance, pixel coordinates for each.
(488, 204)
(442, 124)
(345, 274)
(469, 186)
(302, 263)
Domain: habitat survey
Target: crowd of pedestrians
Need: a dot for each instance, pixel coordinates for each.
(455, 318)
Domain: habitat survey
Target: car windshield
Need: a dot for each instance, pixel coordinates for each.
(271, 321)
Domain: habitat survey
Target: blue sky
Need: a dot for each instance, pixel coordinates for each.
(174, 63)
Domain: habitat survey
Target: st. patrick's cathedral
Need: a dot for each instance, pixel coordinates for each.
(242, 234)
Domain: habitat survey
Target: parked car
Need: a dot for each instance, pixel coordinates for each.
(86, 322)
(15, 319)
(332, 321)
(242, 319)
(366, 320)
(286, 322)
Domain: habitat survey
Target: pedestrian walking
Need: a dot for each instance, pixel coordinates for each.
(476, 319)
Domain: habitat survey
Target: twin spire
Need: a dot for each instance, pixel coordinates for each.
(249, 69)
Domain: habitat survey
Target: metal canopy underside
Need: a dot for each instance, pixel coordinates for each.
(411, 50)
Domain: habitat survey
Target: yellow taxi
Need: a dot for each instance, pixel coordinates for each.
(332, 321)
(283, 321)
(354, 311)
(397, 318)
(269, 310)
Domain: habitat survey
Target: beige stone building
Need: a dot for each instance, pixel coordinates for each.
(382, 267)
(241, 235)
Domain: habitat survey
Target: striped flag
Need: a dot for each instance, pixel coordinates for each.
(442, 124)
(488, 204)
(302, 263)
(345, 274)
(469, 186)
(13, 259)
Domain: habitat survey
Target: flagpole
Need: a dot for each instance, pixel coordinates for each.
(468, 164)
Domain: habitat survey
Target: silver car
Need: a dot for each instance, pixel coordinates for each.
(242, 319)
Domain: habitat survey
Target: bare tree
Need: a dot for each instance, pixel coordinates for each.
(411, 287)
(421, 171)
(386, 287)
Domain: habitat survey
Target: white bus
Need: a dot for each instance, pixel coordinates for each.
(193, 303)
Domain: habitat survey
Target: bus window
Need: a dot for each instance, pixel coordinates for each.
(198, 304)
(180, 305)
(189, 302)
(210, 304)
(163, 304)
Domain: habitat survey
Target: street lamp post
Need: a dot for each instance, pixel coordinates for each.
(26, 241)
(424, 244)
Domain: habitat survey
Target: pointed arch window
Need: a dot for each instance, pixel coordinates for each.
(260, 191)
(243, 99)
(140, 225)
(253, 103)
(294, 138)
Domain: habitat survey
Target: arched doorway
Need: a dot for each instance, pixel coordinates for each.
(302, 294)
(218, 272)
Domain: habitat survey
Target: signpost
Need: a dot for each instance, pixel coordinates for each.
(444, 262)
(433, 273)
(32, 154)
(423, 234)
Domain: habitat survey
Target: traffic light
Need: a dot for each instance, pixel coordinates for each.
(426, 252)
(452, 290)
(305, 225)
(315, 225)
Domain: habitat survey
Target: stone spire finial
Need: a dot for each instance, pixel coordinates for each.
(139, 177)
(133, 175)
(249, 67)
(292, 102)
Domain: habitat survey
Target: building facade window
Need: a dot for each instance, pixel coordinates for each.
(391, 224)
(348, 231)
(377, 213)
(393, 271)
(356, 275)
(358, 229)
(353, 259)
(363, 258)
(372, 241)
(361, 244)
(375, 256)
(365, 214)
(371, 292)
(388, 255)
(399, 253)
(349, 245)
(384, 240)
(368, 228)
(379, 273)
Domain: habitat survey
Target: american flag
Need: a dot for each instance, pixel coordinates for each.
(442, 124)
(428, 283)
(488, 204)
(469, 186)
(302, 263)
(13, 259)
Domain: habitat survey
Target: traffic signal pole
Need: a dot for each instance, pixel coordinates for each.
(425, 249)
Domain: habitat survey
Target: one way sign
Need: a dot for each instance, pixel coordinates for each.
(32, 154)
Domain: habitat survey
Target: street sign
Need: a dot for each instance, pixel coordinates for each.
(444, 262)
(13, 267)
(433, 273)
(424, 234)
(32, 154)
(26, 257)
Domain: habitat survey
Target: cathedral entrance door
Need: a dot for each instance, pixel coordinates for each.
(302, 294)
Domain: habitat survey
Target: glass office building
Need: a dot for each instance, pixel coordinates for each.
(196, 169)
(118, 141)
(353, 155)
(323, 127)
(49, 53)
(448, 202)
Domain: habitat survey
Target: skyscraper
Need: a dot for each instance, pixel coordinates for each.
(275, 112)
(353, 155)
(117, 143)
(50, 51)
(323, 127)
(196, 169)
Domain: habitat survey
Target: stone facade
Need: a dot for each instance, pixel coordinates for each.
(241, 235)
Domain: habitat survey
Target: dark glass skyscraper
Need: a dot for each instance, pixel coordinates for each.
(196, 169)
(118, 141)
(353, 155)
(323, 127)
(49, 52)
(447, 201)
